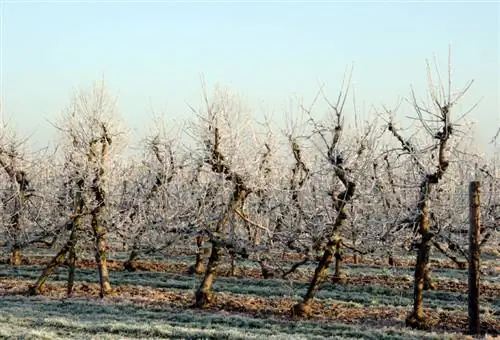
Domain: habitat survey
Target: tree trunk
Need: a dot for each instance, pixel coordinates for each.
(16, 227)
(356, 259)
(204, 295)
(393, 262)
(101, 258)
(320, 274)
(232, 270)
(339, 276)
(429, 284)
(16, 257)
(101, 252)
(256, 237)
(267, 272)
(73, 238)
(71, 270)
(474, 326)
(131, 264)
(56, 261)
(97, 221)
(197, 267)
(417, 318)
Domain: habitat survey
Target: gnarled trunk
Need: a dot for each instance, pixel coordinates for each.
(56, 261)
(267, 272)
(71, 270)
(198, 267)
(339, 276)
(97, 223)
(101, 258)
(131, 264)
(334, 243)
(15, 256)
(320, 275)
(232, 269)
(417, 318)
(73, 238)
(204, 295)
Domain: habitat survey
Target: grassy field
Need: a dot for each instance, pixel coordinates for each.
(157, 303)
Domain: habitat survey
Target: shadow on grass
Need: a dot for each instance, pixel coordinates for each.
(374, 295)
(83, 319)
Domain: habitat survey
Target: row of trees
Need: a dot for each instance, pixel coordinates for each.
(318, 187)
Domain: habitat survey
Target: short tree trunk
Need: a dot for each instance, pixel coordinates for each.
(393, 262)
(73, 239)
(356, 258)
(131, 264)
(204, 295)
(267, 272)
(256, 237)
(16, 257)
(57, 260)
(102, 265)
(198, 267)
(232, 270)
(417, 318)
(71, 270)
(339, 276)
(303, 309)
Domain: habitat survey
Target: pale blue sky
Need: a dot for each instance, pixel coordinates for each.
(154, 53)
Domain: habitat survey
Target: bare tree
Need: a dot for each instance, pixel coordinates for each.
(348, 162)
(16, 195)
(149, 203)
(223, 126)
(431, 163)
(89, 127)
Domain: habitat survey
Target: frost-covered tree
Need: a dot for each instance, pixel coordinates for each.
(225, 134)
(347, 156)
(91, 139)
(24, 198)
(429, 151)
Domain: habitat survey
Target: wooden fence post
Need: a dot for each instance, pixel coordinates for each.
(474, 256)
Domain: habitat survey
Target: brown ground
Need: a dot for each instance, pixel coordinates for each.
(488, 289)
